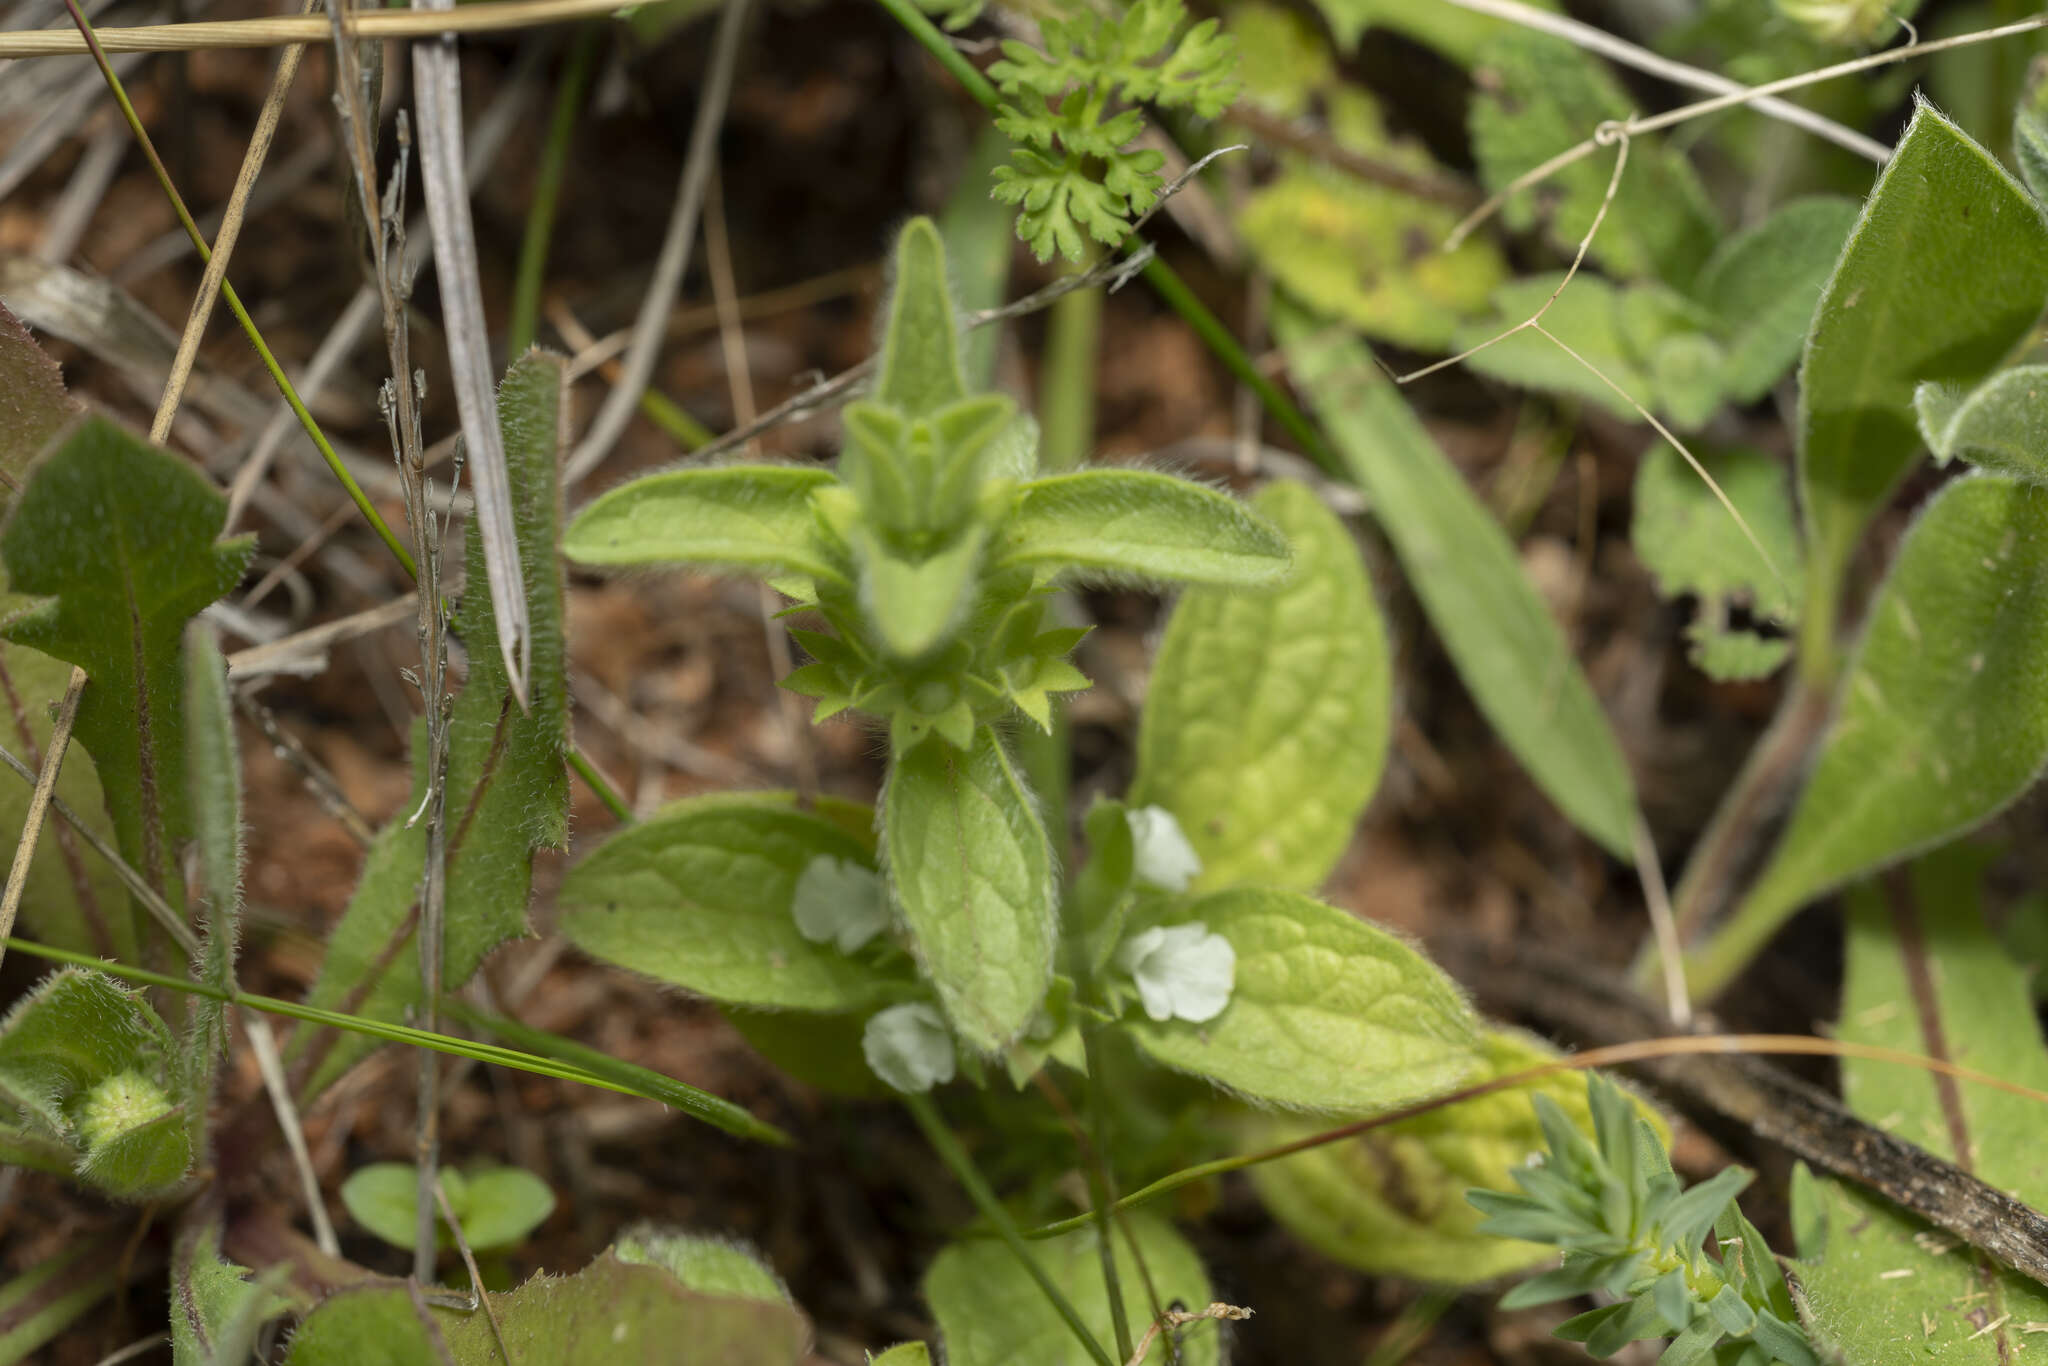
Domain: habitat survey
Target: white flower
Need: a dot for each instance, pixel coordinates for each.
(1162, 853)
(1182, 971)
(908, 1047)
(839, 902)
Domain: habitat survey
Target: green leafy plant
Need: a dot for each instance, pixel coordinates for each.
(1629, 1229)
(1073, 176)
(495, 1207)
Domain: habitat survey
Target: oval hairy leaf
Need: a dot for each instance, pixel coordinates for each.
(755, 518)
(1944, 717)
(991, 1313)
(1327, 1013)
(1762, 285)
(1139, 525)
(1267, 719)
(1392, 1200)
(2001, 425)
(968, 860)
(1946, 269)
(700, 896)
(1508, 650)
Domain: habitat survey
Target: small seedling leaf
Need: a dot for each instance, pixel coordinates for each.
(701, 896)
(1508, 649)
(1327, 1012)
(991, 1313)
(1266, 722)
(1123, 525)
(967, 857)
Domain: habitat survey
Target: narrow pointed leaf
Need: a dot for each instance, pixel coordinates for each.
(1327, 1012)
(1266, 720)
(508, 786)
(700, 896)
(753, 518)
(125, 540)
(214, 763)
(968, 860)
(1943, 720)
(1509, 651)
(216, 1310)
(1138, 525)
(1947, 268)
(921, 350)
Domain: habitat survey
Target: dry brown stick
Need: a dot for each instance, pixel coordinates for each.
(1739, 1097)
(39, 805)
(224, 241)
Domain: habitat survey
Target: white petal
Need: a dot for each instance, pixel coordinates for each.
(839, 902)
(908, 1047)
(1160, 851)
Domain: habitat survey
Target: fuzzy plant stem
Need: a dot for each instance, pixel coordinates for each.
(950, 1152)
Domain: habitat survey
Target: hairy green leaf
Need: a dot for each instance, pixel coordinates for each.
(1123, 524)
(968, 860)
(709, 1266)
(1267, 719)
(123, 542)
(1923, 976)
(496, 1206)
(215, 765)
(1327, 1012)
(2001, 425)
(216, 1310)
(508, 783)
(1943, 720)
(991, 1313)
(1946, 270)
(1508, 650)
(903, 1354)
(920, 365)
(32, 398)
(1538, 96)
(1392, 1200)
(611, 1313)
(753, 518)
(1690, 543)
(1763, 284)
(700, 895)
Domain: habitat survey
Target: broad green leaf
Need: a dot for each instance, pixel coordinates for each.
(1459, 34)
(123, 542)
(751, 518)
(920, 365)
(991, 1313)
(1923, 976)
(969, 863)
(1691, 545)
(1369, 255)
(1762, 285)
(508, 782)
(216, 1310)
(383, 1198)
(1508, 650)
(709, 1266)
(699, 896)
(1327, 1013)
(1266, 722)
(1946, 270)
(2000, 425)
(1943, 720)
(611, 1313)
(215, 766)
(1539, 95)
(31, 396)
(1392, 1200)
(1123, 524)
